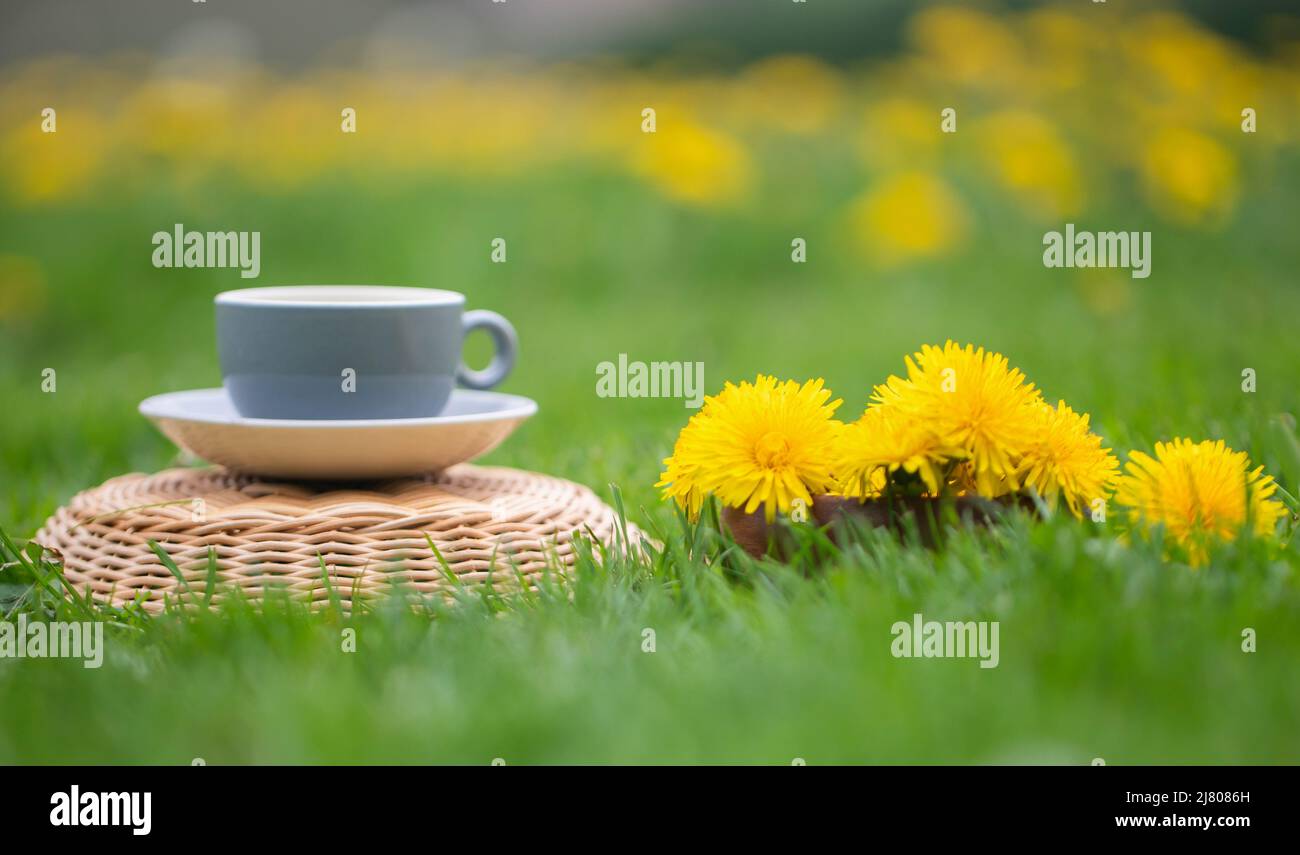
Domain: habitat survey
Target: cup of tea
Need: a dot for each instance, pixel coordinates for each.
(352, 351)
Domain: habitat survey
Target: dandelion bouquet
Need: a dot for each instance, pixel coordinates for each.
(961, 421)
(962, 424)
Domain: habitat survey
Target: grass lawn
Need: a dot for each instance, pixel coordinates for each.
(1106, 650)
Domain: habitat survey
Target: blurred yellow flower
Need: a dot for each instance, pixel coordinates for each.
(1061, 43)
(976, 403)
(899, 131)
(183, 119)
(50, 167)
(795, 94)
(1200, 492)
(1187, 58)
(1066, 460)
(1030, 158)
(909, 215)
(290, 139)
(761, 444)
(968, 46)
(1190, 177)
(692, 163)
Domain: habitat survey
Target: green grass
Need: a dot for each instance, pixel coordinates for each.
(1106, 649)
(1104, 653)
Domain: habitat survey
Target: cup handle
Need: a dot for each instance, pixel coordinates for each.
(503, 338)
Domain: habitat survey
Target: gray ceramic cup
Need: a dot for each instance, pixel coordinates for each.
(351, 351)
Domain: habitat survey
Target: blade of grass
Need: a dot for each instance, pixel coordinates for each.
(211, 583)
(171, 566)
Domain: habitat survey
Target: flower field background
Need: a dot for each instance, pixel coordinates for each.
(676, 246)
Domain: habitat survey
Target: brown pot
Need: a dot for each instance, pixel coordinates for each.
(753, 533)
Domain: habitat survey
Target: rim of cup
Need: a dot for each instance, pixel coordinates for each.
(339, 295)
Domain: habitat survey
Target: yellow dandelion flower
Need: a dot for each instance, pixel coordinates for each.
(695, 164)
(907, 216)
(680, 479)
(1190, 177)
(1062, 45)
(1066, 459)
(884, 441)
(44, 167)
(1033, 161)
(976, 403)
(968, 46)
(897, 132)
(1200, 492)
(1187, 58)
(796, 94)
(756, 444)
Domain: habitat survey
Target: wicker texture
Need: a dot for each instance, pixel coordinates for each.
(487, 522)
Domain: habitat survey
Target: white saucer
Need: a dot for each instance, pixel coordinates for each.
(204, 422)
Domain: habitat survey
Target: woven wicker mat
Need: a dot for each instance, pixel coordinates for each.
(487, 522)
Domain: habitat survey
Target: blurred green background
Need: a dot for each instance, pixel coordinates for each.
(805, 121)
